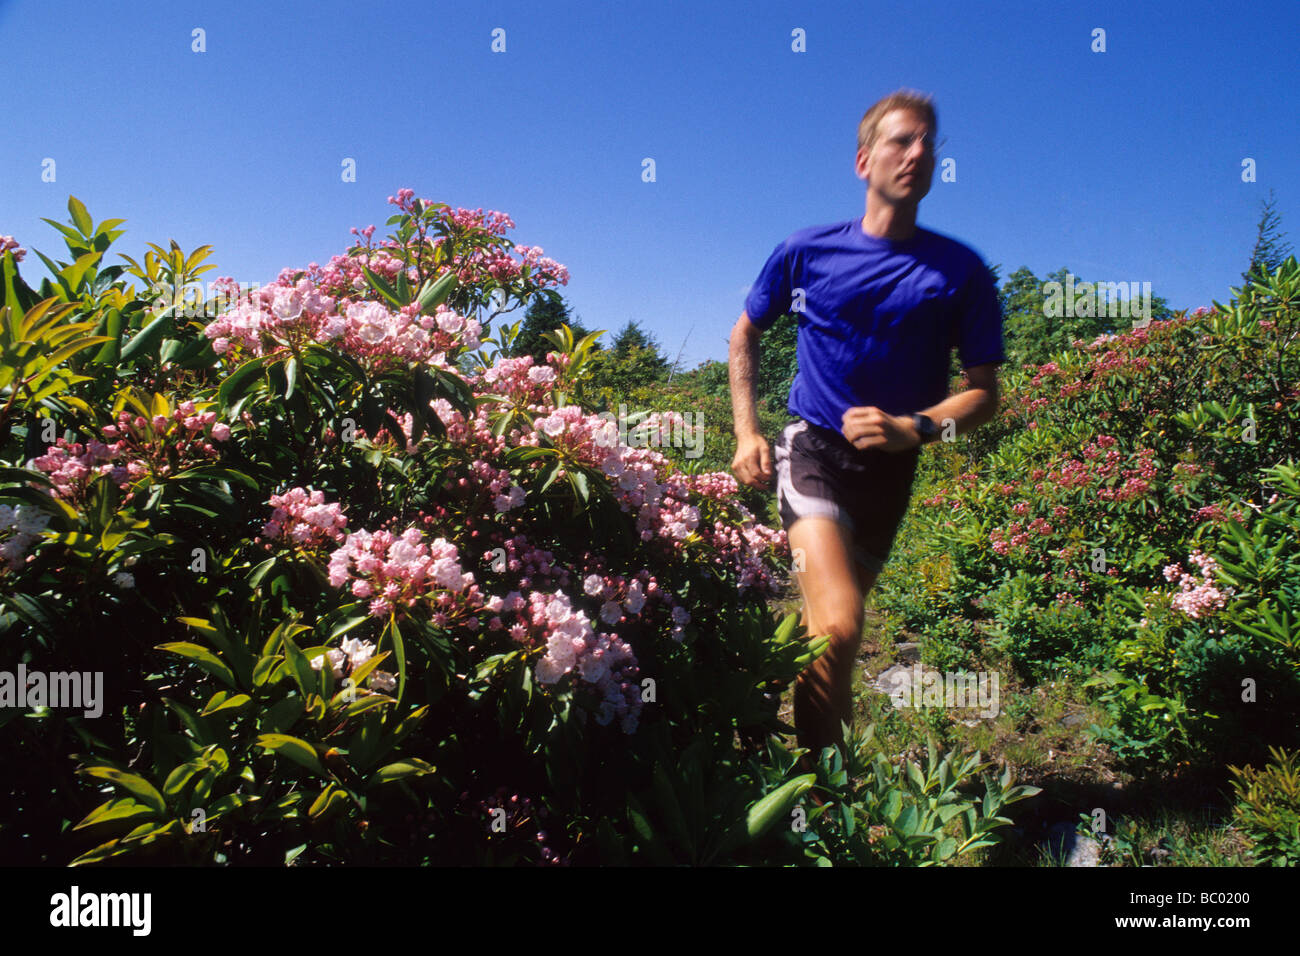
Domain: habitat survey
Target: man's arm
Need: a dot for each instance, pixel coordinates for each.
(869, 427)
(971, 408)
(743, 372)
(753, 462)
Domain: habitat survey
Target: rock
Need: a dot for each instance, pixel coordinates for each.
(910, 652)
(895, 681)
(1064, 840)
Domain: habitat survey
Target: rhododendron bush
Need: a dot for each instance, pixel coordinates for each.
(1130, 518)
(360, 587)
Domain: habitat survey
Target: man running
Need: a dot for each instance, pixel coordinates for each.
(880, 303)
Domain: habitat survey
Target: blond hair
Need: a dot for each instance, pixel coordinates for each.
(913, 100)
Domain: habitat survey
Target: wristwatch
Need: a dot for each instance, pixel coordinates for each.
(925, 427)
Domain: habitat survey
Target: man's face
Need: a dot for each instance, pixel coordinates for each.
(899, 166)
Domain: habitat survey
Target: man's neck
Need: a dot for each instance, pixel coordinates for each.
(884, 221)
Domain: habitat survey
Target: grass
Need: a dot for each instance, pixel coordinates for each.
(1041, 733)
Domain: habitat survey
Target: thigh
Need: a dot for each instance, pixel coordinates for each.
(833, 584)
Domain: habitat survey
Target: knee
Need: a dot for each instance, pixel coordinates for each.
(844, 630)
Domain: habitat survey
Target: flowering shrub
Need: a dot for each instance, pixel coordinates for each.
(1196, 596)
(237, 518)
(1268, 808)
(133, 448)
(1123, 518)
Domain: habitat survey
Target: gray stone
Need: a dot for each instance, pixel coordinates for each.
(1065, 840)
(896, 680)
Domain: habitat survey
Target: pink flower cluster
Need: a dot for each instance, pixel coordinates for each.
(663, 509)
(398, 571)
(517, 379)
(305, 519)
(10, 244)
(136, 447)
(1196, 596)
(1137, 481)
(1210, 513)
(289, 315)
(602, 660)
(72, 466)
(406, 421)
(1003, 541)
(492, 262)
(537, 565)
(1045, 371)
(520, 817)
(1126, 340)
(495, 484)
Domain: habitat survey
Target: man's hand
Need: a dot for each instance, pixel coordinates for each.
(753, 461)
(869, 427)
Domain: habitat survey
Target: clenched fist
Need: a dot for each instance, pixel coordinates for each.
(869, 427)
(753, 462)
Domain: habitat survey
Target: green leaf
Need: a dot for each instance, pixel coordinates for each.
(134, 784)
(332, 797)
(219, 473)
(579, 482)
(101, 852)
(108, 355)
(80, 217)
(300, 668)
(198, 728)
(123, 808)
(180, 776)
(399, 652)
(147, 337)
(294, 748)
(435, 292)
(216, 706)
(264, 667)
(368, 702)
(400, 770)
(360, 674)
(204, 658)
(239, 381)
(763, 814)
(380, 285)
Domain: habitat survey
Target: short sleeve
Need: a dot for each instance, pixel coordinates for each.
(979, 326)
(770, 296)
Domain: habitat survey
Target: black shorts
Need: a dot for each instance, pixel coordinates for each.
(819, 473)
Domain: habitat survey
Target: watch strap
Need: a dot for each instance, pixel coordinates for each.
(925, 427)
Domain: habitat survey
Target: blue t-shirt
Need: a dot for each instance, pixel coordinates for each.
(878, 317)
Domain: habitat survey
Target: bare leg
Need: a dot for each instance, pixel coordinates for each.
(834, 588)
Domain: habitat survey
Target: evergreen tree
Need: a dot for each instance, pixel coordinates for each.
(546, 313)
(1269, 252)
(632, 361)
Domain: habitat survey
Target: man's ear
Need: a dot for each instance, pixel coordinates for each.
(859, 165)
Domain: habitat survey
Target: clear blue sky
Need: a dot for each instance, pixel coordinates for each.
(1122, 166)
